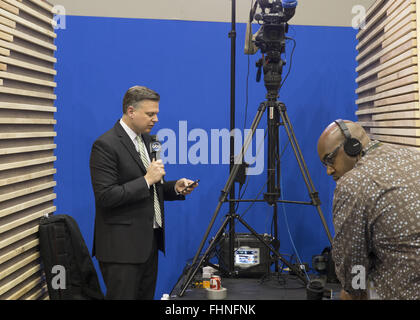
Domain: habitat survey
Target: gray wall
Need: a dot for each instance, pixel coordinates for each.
(310, 12)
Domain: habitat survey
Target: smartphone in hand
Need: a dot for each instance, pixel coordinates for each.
(190, 185)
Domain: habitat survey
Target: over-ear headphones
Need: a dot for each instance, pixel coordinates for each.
(352, 146)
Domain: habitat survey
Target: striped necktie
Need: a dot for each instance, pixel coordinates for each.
(146, 162)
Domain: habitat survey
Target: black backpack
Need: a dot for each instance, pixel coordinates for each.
(68, 266)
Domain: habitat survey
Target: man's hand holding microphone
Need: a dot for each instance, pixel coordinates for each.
(156, 171)
(155, 174)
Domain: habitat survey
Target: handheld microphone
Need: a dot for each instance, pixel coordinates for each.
(154, 149)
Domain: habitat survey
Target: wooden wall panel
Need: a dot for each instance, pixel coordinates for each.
(388, 77)
(26, 142)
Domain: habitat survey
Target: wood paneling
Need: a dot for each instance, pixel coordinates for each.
(388, 72)
(26, 143)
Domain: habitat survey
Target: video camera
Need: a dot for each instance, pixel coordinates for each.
(273, 17)
(270, 39)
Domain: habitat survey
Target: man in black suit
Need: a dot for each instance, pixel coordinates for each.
(129, 192)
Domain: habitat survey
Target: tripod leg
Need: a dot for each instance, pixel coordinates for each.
(227, 187)
(273, 192)
(231, 262)
(276, 236)
(191, 274)
(303, 167)
(273, 164)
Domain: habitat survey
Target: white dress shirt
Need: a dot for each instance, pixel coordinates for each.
(133, 137)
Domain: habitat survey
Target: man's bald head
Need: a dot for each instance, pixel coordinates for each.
(332, 135)
(332, 138)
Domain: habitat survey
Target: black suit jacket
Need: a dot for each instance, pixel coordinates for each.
(124, 204)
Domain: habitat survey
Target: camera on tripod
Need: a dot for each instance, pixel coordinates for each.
(249, 257)
(270, 39)
(274, 16)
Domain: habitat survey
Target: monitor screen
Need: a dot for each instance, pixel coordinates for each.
(246, 257)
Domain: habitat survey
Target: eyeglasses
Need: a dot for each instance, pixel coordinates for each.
(328, 159)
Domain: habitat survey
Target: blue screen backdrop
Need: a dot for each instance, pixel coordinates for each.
(188, 63)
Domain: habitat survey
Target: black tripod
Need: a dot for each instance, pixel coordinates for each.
(276, 111)
(276, 116)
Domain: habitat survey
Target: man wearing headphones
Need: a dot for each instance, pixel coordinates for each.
(376, 213)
